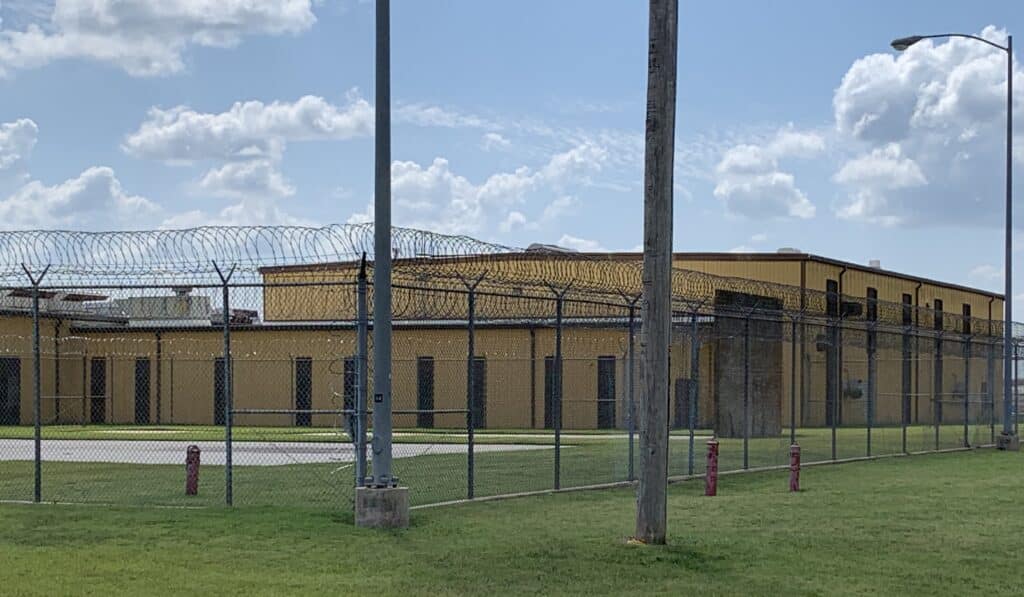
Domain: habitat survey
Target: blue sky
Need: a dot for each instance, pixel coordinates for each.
(518, 122)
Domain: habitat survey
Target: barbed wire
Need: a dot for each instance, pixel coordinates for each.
(520, 283)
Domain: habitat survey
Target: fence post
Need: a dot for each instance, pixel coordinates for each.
(792, 382)
(937, 387)
(694, 380)
(630, 385)
(794, 467)
(362, 371)
(559, 306)
(905, 401)
(37, 395)
(470, 383)
(228, 398)
(711, 470)
(967, 390)
(746, 392)
(1016, 394)
(872, 371)
(990, 378)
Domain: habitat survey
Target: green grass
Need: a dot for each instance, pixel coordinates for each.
(925, 525)
(594, 460)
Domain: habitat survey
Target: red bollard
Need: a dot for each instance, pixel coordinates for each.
(794, 467)
(192, 471)
(711, 478)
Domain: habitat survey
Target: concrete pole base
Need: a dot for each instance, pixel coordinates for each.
(382, 507)
(1008, 441)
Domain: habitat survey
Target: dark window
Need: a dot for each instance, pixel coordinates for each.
(303, 390)
(967, 319)
(425, 391)
(908, 309)
(549, 392)
(479, 393)
(98, 390)
(872, 304)
(142, 391)
(605, 392)
(220, 391)
(938, 314)
(832, 298)
(10, 391)
(349, 383)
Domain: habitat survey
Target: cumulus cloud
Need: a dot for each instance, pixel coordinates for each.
(143, 37)
(92, 200)
(256, 178)
(437, 198)
(492, 141)
(16, 141)
(927, 126)
(580, 244)
(247, 129)
(749, 180)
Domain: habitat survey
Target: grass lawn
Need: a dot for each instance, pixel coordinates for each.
(926, 525)
(587, 459)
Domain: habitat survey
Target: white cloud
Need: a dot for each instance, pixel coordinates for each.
(146, 37)
(16, 141)
(247, 129)
(514, 220)
(92, 200)
(255, 178)
(986, 275)
(492, 141)
(750, 182)
(443, 200)
(436, 116)
(928, 125)
(580, 244)
(247, 212)
(559, 207)
(760, 237)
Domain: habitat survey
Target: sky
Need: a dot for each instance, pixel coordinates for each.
(521, 122)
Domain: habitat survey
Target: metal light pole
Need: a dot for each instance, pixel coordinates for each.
(1008, 438)
(382, 476)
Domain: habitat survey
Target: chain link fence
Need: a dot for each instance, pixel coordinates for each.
(510, 375)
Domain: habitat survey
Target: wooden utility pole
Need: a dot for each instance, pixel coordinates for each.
(655, 334)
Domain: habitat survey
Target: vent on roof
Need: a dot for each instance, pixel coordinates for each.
(542, 248)
(875, 264)
(788, 251)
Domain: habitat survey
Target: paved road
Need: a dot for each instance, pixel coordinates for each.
(243, 453)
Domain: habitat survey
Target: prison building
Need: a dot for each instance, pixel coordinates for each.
(759, 339)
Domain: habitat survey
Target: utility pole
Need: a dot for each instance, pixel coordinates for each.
(656, 330)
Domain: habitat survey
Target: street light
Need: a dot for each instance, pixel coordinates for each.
(1008, 438)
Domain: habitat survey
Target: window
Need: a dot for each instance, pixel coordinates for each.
(10, 391)
(605, 392)
(967, 319)
(98, 390)
(549, 392)
(303, 390)
(479, 393)
(832, 298)
(908, 310)
(142, 391)
(872, 304)
(220, 391)
(348, 384)
(938, 314)
(425, 391)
